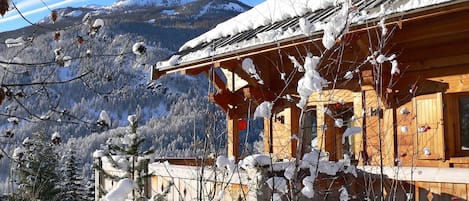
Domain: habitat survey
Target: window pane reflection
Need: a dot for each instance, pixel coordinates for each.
(464, 116)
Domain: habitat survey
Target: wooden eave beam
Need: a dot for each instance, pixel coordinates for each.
(215, 79)
(433, 52)
(235, 66)
(226, 99)
(258, 94)
(433, 27)
(245, 109)
(196, 71)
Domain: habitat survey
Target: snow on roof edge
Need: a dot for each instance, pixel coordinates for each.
(265, 13)
(402, 6)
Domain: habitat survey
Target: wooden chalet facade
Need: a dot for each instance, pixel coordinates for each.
(415, 123)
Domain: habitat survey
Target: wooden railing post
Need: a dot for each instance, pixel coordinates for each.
(233, 137)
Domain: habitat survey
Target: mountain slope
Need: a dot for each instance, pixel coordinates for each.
(115, 79)
(127, 3)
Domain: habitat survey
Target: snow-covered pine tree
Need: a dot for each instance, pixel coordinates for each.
(72, 181)
(88, 194)
(125, 153)
(37, 170)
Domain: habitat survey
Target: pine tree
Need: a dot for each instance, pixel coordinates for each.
(73, 188)
(89, 185)
(126, 153)
(37, 170)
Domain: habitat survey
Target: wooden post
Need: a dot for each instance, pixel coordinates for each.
(358, 112)
(321, 123)
(98, 179)
(389, 131)
(268, 137)
(233, 137)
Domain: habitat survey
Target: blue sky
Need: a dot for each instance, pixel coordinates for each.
(35, 10)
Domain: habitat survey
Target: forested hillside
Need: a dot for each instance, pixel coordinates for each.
(58, 77)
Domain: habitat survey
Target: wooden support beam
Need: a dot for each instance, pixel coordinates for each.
(438, 62)
(156, 73)
(195, 71)
(258, 94)
(427, 174)
(436, 47)
(235, 66)
(226, 99)
(215, 79)
(268, 135)
(221, 102)
(233, 137)
(321, 123)
(389, 133)
(367, 77)
(434, 27)
(357, 139)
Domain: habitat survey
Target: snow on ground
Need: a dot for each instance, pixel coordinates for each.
(230, 6)
(169, 12)
(75, 13)
(14, 42)
(126, 3)
(256, 160)
(99, 12)
(121, 190)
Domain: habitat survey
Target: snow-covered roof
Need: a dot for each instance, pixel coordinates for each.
(278, 20)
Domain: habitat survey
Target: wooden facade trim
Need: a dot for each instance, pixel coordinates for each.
(423, 174)
(233, 145)
(193, 173)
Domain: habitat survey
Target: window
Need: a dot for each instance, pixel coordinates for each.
(458, 124)
(464, 123)
(311, 127)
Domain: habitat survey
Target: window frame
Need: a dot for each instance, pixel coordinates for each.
(457, 131)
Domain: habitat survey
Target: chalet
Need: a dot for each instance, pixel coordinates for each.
(382, 82)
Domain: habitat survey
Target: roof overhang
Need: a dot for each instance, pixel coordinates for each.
(400, 19)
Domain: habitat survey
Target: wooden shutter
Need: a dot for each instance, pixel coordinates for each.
(429, 113)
